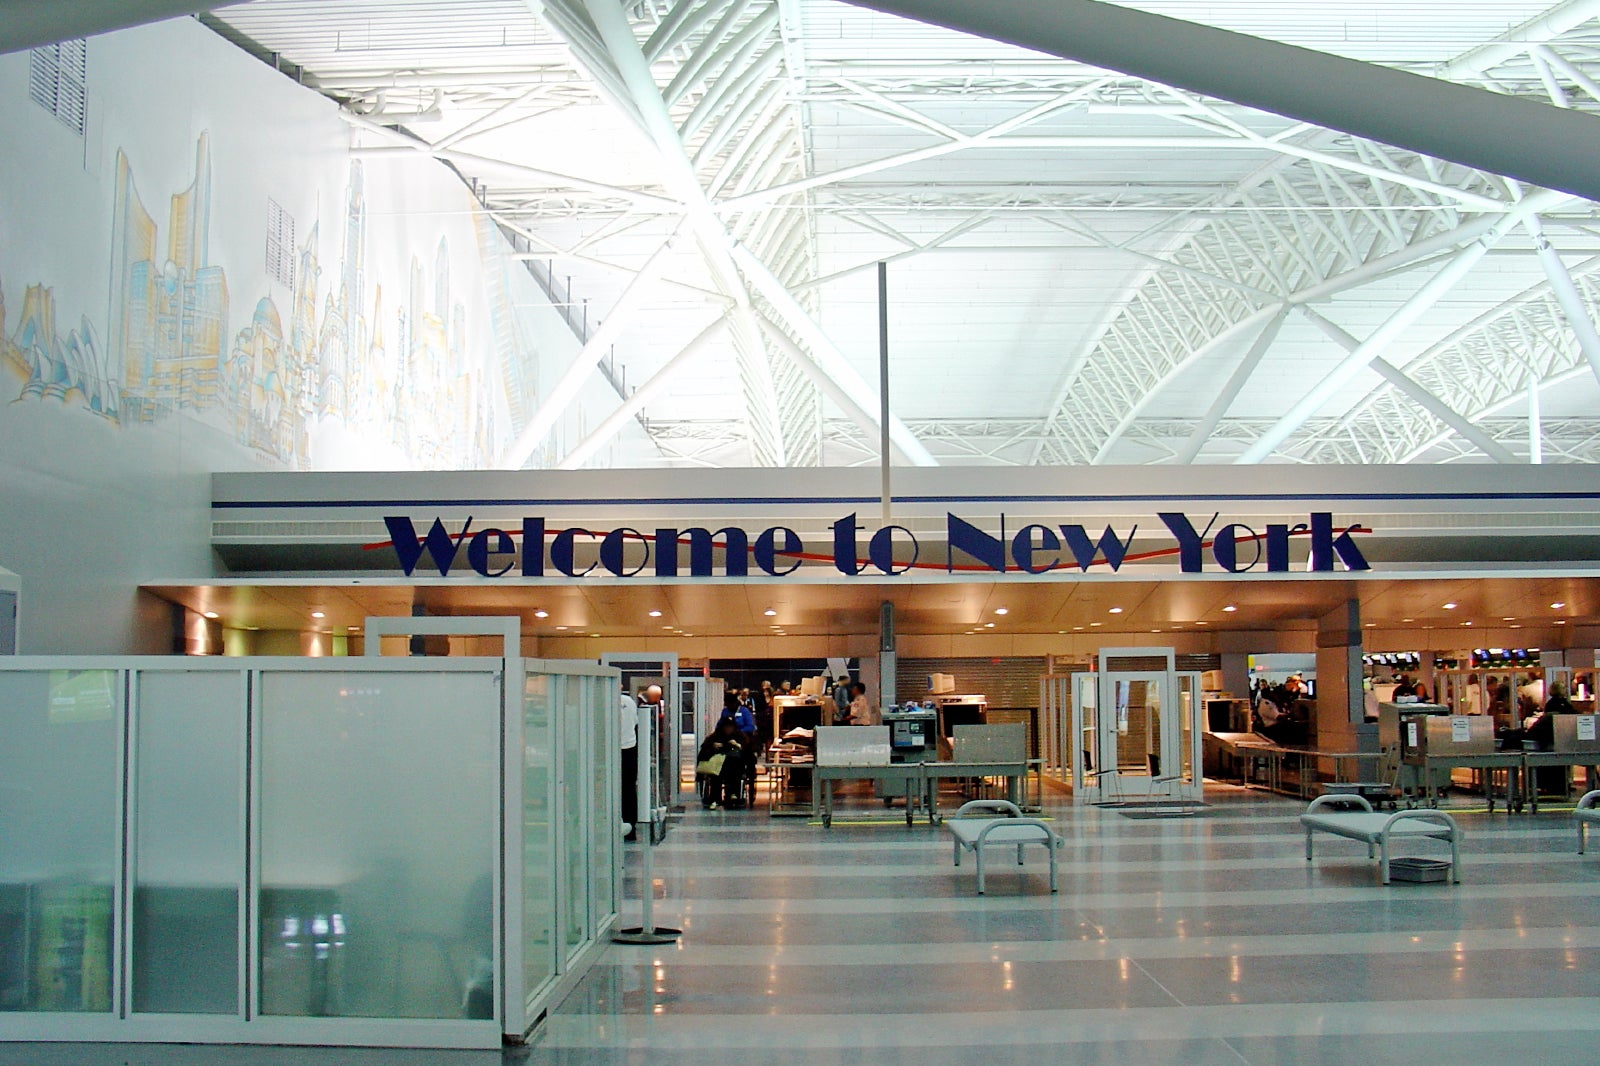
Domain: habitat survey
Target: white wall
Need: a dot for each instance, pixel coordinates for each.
(144, 344)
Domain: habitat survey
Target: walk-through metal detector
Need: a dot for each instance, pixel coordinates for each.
(1133, 733)
(640, 669)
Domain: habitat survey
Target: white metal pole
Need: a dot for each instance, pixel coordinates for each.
(647, 932)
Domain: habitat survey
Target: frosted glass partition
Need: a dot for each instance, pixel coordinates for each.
(60, 823)
(578, 824)
(188, 841)
(413, 852)
(538, 827)
(380, 801)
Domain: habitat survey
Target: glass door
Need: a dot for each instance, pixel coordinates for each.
(1084, 738)
(1186, 737)
(1055, 725)
(1136, 733)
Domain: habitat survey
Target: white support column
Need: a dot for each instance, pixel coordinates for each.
(1568, 298)
(566, 390)
(1501, 134)
(1419, 304)
(1535, 427)
(602, 433)
(1230, 391)
(828, 359)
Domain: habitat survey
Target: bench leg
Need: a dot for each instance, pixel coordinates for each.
(1583, 836)
(978, 859)
(1383, 844)
(1019, 855)
(1308, 845)
(1370, 853)
(1051, 848)
(958, 852)
(1455, 860)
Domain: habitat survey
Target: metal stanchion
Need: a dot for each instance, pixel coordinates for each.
(647, 932)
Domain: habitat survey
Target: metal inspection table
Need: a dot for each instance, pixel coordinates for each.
(908, 775)
(1013, 772)
(1534, 760)
(1510, 761)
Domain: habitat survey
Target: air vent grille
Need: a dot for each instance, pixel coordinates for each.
(58, 78)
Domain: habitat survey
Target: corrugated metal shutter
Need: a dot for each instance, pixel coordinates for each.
(1008, 682)
(1199, 663)
(1136, 664)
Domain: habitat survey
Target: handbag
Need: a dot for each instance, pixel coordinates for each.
(711, 767)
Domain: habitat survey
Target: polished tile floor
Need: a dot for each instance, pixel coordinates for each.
(1198, 940)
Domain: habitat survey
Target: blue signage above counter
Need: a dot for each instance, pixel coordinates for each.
(776, 551)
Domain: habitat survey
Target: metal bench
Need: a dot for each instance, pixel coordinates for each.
(1008, 827)
(1376, 830)
(1585, 815)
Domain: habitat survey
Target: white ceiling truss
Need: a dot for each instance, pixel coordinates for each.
(1298, 295)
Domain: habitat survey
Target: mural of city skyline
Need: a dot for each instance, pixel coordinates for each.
(168, 347)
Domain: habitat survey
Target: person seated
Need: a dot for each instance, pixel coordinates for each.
(1404, 687)
(719, 766)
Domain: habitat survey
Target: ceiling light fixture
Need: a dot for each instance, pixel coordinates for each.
(1229, 609)
(1557, 606)
(988, 625)
(1116, 610)
(1449, 606)
(318, 614)
(1094, 625)
(655, 614)
(541, 614)
(1561, 621)
(1002, 610)
(770, 613)
(211, 614)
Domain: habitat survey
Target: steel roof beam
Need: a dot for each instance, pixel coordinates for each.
(585, 449)
(1533, 142)
(1230, 391)
(34, 23)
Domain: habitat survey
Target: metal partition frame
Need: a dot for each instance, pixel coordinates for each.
(516, 1009)
(666, 786)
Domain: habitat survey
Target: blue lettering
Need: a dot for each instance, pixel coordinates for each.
(562, 549)
(478, 551)
(1324, 545)
(533, 547)
(767, 551)
(1022, 548)
(408, 547)
(613, 552)
(736, 558)
(844, 546)
(1226, 548)
(881, 550)
(990, 551)
(1084, 550)
(1190, 543)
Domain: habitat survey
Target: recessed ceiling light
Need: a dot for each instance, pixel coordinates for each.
(655, 614)
(1408, 619)
(1116, 610)
(988, 625)
(1466, 623)
(1518, 626)
(1372, 625)
(1202, 623)
(770, 613)
(1230, 609)
(318, 614)
(1508, 619)
(1155, 631)
(560, 629)
(1077, 629)
(541, 614)
(1557, 606)
(211, 614)
(1449, 606)
(1002, 610)
(1561, 621)
(594, 634)
(1094, 625)
(668, 628)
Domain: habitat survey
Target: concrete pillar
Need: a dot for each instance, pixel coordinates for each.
(1339, 698)
(1236, 674)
